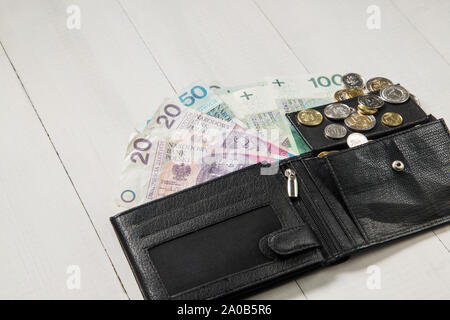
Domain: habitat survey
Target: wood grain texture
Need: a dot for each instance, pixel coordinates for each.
(228, 41)
(415, 268)
(45, 229)
(114, 83)
(91, 87)
(401, 53)
(287, 291)
(333, 35)
(431, 18)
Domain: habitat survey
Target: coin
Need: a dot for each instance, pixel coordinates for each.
(340, 95)
(356, 139)
(337, 111)
(377, 83)
(354, 92)
(309, 117)
(345, 94)
(353, 80)
(324, 153)
(370, 101)
(394, 94)
(366, 110)
(360, 122)
(391, 119)
(415, 99)
(335, 131)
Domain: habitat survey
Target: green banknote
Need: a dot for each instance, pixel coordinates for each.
(295, 93)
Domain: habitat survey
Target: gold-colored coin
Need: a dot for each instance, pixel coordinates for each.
(309, 117)
(324, 153)
(391, 119)
(340, 95)
(345, 94)
(366, 110)
(360, 122)
(354, 92)
(377, 83)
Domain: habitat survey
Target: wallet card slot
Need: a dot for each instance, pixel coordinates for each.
(333, 208)
(386, 203)
(197, 209)
(141, 214)
(215, 251)
(173, 231)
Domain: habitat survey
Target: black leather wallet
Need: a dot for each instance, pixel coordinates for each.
(242, 231)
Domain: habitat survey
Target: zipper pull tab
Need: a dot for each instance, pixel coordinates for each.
(292, 185)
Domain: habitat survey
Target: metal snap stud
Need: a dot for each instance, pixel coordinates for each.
(397, 165)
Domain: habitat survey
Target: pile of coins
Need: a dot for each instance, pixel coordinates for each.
(363, 118)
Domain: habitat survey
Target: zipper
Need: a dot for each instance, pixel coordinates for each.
(307, 205)
(292, 184)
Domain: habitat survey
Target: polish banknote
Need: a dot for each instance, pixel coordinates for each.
(206, 131)
(173, 166)
(255, 107)
(202, 98)
(181, 147)
(295, 93)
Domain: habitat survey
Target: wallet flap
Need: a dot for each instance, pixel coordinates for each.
(314, 136)
(396, 185)
(286, 242)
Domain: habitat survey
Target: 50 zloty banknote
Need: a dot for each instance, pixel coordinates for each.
(206, 132)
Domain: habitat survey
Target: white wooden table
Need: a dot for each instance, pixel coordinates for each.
(69, 98)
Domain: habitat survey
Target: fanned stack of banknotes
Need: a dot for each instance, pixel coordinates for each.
(209, 130)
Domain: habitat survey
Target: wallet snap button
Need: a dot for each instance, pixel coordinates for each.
(397, 165)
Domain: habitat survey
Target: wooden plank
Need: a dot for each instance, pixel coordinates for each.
(228, 41)
(432, 19)
(333, 36)
(420, 266)
(416, 268)
(45, 229)
(91, 87)
(287, 291)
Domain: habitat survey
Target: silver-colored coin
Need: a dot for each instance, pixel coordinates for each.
(394, 94)
(337, 111)
(359, 122)
(335, 131)
(370, 101)
(353, 80)
(356, 139)
(416, 100)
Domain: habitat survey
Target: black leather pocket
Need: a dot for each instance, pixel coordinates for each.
(386, 203)
(241, 236)
(215, 251)
(315, 139)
